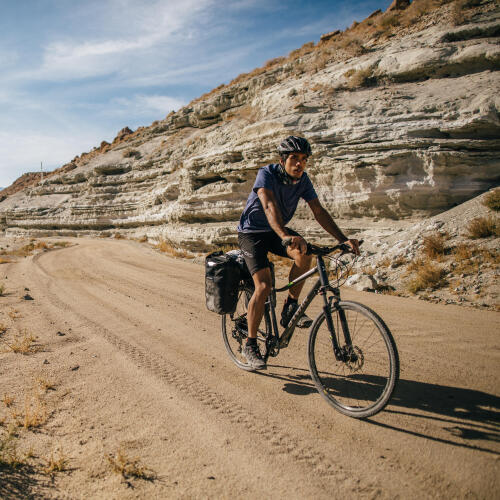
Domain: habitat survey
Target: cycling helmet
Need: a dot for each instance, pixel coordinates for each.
(293, 144)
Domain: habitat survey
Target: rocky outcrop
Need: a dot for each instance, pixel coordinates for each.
(406, 128)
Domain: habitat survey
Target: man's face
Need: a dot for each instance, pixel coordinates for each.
(295, 165)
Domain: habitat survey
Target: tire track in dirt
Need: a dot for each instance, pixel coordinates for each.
(271, 434)
(116, 297)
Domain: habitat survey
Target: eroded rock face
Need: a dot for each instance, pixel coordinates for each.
(409, 129)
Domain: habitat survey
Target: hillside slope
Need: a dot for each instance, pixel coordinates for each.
(401, 110)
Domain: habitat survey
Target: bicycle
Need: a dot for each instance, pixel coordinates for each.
(353, 358)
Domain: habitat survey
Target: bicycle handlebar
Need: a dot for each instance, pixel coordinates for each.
(317, 250)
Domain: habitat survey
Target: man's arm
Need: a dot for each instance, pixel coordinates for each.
(275, 219)
(328, 224)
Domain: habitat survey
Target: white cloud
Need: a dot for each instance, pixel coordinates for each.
(140, 30)
(21, 153)
(145, 105)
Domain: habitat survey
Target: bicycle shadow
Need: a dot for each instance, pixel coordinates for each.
(467, 416)
(18, 482)
(472, 415)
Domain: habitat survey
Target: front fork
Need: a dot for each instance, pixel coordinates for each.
(331, 303)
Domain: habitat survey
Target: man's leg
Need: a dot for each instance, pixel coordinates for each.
(256, 306)
(301, 264)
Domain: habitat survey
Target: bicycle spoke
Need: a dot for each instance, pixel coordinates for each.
(361, 383)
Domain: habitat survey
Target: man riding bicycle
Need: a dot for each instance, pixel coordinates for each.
(262, 229)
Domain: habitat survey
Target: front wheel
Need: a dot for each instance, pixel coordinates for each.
(361, 382)
(235, 330)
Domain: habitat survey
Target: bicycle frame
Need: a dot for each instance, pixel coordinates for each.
(322, 286)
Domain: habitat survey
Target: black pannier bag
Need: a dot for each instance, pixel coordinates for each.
(222, 277)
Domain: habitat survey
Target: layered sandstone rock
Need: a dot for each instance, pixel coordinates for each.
(406, 129)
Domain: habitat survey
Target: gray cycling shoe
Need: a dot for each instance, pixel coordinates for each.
(289, 309)
(253, 356)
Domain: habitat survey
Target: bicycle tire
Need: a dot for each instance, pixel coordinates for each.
(361, 386)
(234, 329)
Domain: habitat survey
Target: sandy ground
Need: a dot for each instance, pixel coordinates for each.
(129, 359)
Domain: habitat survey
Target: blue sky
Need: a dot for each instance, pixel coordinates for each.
(74, 72)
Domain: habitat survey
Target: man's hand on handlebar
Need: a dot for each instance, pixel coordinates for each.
(354, 244)
(295, 243)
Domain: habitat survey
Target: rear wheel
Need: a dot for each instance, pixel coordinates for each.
(235, 329)
(362, 382)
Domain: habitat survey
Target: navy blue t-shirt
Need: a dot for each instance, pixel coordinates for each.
(253, 219)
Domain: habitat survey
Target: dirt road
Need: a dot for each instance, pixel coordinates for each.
(138, 364)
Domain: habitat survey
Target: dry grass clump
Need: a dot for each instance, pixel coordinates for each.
(398, 261)
(434, 245)
(459, 8)
(9, 455)
(13, 313)
(482, 227)
(427, 275)
(470, 258)
(463, 252)
(44, 384)
(118, 236)
(168, 248)
(62, 244)
(389, 20)
(7, 400)
(31, 247)
(385, 262)
(492, 200)
(370, 271)
(129, 467)
(23, 343)
(359, 78)
(2, 289)
(55, 463)
(35, 413)
(4, 261)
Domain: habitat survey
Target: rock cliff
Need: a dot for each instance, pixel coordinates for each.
(401, 111)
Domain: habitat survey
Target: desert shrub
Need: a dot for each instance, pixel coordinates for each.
(416, 10)
(55, 464)
(398, 261)
(385, 262)
(305, 49)
(482, 227)
(389, 20)
(23, 343)
(274, 62)
(359, 78)
(492, 200)
(129, 467)
(35, 413)
(427, 275)
(170, 249)
(462, 252)
(352, 45)
(434, 245)
(9, 455)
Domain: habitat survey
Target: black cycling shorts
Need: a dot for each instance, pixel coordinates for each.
(255, 247)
